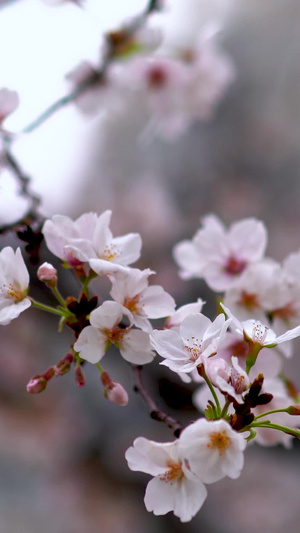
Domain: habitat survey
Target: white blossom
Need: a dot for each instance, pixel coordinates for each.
(220, 256)
(105, 328)
(175, 320)
(259, 333)
(213, 449)
(196, 339)
(89, 240)
(14, 282)
(174, 487)
(131, 290)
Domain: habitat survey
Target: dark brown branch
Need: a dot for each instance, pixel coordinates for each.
(155, 412)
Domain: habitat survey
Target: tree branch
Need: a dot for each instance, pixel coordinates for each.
(155, 412)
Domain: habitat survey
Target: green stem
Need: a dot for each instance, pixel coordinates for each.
(271, 412)
(284, 429)
(224, 410)
(212, 390)
(58, 296)
(48, 308)
(99, 368)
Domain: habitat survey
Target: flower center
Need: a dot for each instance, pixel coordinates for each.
(156, 77)
(219, 441)
(259, 333)
(132, 304)
(12, 292)
(234, 266)
(239, 349)
(194, 348)
(115, 335)
(248, 300)
(110, 253)
(174, 472)
(285, 313)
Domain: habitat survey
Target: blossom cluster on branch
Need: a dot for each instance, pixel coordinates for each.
(236, 363)
(236, 359)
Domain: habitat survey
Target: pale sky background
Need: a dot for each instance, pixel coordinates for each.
(40, 45)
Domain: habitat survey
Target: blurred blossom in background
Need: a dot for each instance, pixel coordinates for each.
(62, 465)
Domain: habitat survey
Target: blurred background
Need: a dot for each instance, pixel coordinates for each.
(62, 465)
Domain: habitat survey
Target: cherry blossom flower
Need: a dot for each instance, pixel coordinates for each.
(196, 339)
(220, 256)
(89, 240)
(258, 333)
(131, 290)
(213, 449)
(236, 383)
(175, 320)
(163, 82)
(174, 487)
(105, 329)
(254, 293)
(9, 101)
(14, 282)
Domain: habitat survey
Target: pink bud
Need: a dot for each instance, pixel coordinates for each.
(47, 273)
(36, 385)
(116, 393)
(63, 366)
(48, 374)
(79, 376)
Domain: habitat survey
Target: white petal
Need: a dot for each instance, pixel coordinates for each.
(136, 347)
(91, 344)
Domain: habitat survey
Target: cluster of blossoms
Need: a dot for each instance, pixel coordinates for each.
(176, 88)
(236, 360)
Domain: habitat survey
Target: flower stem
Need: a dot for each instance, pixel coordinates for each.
(271, 412)
(58, 296)
(53, 310)
(284, 429)
(212, 390)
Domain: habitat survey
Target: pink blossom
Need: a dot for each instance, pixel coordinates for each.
(220, 256)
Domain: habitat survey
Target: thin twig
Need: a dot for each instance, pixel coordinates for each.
(155, 412)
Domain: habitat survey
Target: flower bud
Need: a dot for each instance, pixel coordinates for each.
(36, 385)
(48, 274)
(79, 376)
(63, 366)
(49, 373)
(116, 393)
(293, 410)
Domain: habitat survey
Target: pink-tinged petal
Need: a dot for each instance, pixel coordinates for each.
(189, 259)
(160, 497)
(287, 336)
(102, 267)
(194, 326)
(85, 225)
(102, 234)
(182, 312)
(129, 246)
(148, 456)
(129, 284)
(12, 311)
(168, 344)
(79, 249)
(142, 323)
(109, 315)
(57, 232)
(157, 303)
(208, 447)
(136, 347)
(91, 344)
(249, 238)
(190, 498)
